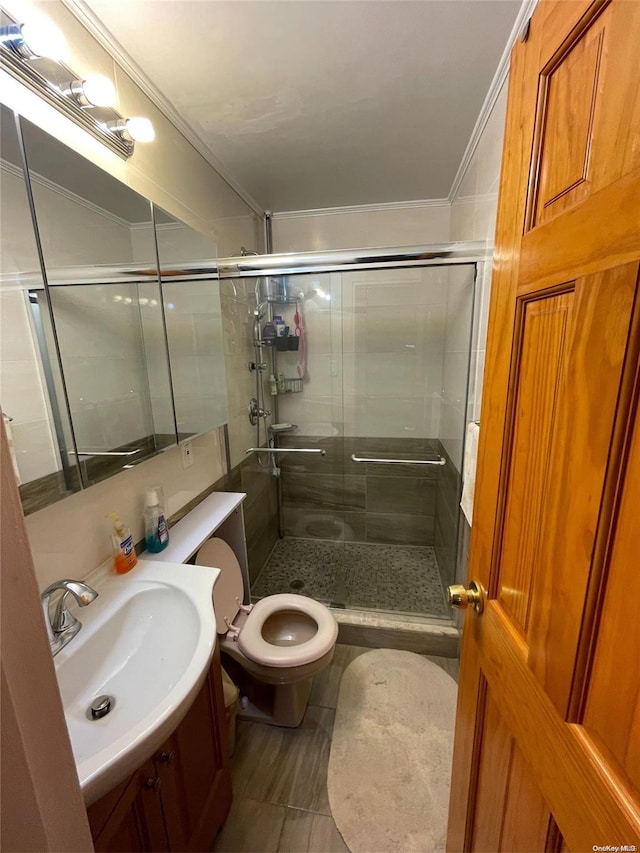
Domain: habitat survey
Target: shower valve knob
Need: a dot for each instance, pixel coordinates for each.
(255, 411)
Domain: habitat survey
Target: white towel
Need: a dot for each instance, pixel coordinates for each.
(12, 450)
(469, 470)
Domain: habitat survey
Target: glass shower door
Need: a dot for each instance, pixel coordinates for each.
(385, 368)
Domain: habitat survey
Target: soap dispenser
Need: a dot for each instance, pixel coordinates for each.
(156, 530)
(124, 554)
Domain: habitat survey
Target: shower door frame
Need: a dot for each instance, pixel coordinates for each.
(469, 253)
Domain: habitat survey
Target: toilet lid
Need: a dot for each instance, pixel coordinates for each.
(228, 589)
(255, 647)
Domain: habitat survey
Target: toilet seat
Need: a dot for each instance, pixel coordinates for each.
(228, 590)
(252, 644)
(227, 600)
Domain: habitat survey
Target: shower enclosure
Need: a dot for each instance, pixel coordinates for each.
(370, 368)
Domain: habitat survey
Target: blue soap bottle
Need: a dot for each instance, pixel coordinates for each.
(156, 530)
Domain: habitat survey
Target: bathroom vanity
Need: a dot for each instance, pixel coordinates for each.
(180, 797)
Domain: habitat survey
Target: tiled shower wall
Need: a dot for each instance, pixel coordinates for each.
(387, 367)
(375, 341)
(333, 497)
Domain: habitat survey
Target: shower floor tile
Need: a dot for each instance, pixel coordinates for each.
(396, 578)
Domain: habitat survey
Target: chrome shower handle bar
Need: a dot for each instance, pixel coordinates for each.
(286, 450)
(439, 461)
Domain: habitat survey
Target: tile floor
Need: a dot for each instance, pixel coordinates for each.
(280, 801)
(395, 578)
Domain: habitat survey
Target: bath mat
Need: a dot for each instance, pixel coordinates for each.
(390, 762)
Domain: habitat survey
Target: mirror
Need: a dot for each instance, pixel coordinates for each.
(194, 325)
(104, 361)
(38, 428)
(96, 236)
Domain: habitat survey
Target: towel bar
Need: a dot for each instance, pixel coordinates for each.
(439, 461)
(286, 450)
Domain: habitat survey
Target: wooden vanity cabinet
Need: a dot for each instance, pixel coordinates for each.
(178, 800)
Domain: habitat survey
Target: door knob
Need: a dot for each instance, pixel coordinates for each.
(458, 596)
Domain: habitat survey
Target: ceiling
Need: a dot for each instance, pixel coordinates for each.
(310, 104)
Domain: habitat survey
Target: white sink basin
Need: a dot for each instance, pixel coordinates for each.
(147, 641)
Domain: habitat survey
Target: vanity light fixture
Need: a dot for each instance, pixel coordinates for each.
(97, 91)
(137, 129)
(35, 40)
(31, 53)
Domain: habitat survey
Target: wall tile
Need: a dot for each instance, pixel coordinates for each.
(400, 529)
(325, 490)
(401, 495)
(310, 523)
(34, 448)
(340, 230)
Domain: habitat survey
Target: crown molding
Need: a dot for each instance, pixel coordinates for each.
(362, 208)
(97, 29)
(47, 184)
(502, 72)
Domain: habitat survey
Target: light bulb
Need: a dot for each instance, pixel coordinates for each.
(99, 91)
(42, 38)
(140, 129)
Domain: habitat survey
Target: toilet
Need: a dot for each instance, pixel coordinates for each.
(271, 649)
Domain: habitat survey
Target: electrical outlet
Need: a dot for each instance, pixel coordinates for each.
(187, 454)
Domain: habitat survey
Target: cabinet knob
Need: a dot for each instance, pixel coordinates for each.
(167, 757)
(152, 784)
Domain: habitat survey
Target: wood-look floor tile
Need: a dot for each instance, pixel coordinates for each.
(306, 832)
(251, 827)
(326, 685)
(285, 766)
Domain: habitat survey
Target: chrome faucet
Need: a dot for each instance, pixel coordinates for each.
(63, 627)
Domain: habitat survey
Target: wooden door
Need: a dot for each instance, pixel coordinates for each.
(547, 751)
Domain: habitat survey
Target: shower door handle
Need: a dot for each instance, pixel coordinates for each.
(439, 461)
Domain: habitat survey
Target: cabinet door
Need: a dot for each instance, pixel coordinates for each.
(193, 766)
(130, 817)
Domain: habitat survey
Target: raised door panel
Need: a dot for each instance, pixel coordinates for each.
(611, 718)
(542, 353)
(506, 790)
(588, 116)
(568, 368)
(568, 102)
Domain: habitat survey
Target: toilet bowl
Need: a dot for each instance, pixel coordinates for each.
(271, 649)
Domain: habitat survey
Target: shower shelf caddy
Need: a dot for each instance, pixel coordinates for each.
(289, 386)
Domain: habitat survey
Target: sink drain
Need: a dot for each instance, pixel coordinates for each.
(296, 584)
(100, 707)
